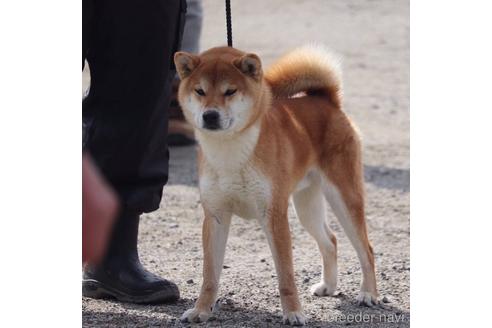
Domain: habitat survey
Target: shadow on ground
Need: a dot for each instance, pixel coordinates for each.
(388, 177)
(232, 315)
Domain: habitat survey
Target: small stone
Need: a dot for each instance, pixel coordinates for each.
(349, 272)
(225, 267)
(190, 281)
(385, 300)
(306, 280)
(262, 260)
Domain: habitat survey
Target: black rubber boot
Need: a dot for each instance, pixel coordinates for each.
(121, 275)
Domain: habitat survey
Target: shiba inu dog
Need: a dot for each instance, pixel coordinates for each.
(267, 137)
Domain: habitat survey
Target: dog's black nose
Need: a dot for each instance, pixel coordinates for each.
(211, 119)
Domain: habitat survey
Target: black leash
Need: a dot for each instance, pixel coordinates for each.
(229, 23)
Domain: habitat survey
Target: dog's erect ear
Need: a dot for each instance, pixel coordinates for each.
(185, 63)
(250, 65)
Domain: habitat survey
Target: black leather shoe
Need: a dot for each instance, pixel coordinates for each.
(121, 275)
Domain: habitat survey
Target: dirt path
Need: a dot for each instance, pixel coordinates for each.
(373, 38)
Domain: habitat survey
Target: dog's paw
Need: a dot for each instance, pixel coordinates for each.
(322, 289)
(195, 315)
(367, 299)
(294, 318)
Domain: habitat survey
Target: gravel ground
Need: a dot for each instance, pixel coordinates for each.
(373, 38)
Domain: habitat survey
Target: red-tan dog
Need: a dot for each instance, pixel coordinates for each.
(259, 145)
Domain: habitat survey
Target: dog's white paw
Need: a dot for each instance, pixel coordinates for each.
(322, 289)
(367, 299)
(195, 315)
(295, 318)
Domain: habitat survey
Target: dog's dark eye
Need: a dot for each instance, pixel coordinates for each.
(230, 92)
(200, 92)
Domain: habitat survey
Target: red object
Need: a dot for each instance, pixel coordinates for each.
(99, 209)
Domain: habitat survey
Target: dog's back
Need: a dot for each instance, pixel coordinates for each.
(306, 111)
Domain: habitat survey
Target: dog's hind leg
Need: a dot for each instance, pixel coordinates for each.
(311, 210)
(343, 188)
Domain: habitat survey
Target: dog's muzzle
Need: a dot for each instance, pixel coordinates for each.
(211, 120)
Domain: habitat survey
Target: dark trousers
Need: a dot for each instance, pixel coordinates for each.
(129, 46)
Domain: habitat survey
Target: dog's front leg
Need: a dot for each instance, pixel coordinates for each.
(276, 227)
(214, 237)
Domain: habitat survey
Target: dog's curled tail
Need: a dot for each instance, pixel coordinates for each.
(312, 69)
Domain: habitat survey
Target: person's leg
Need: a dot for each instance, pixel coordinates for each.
(181, 132)
(193, 27)
(129, 51)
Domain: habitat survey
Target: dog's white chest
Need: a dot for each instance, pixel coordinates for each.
(244, 192)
